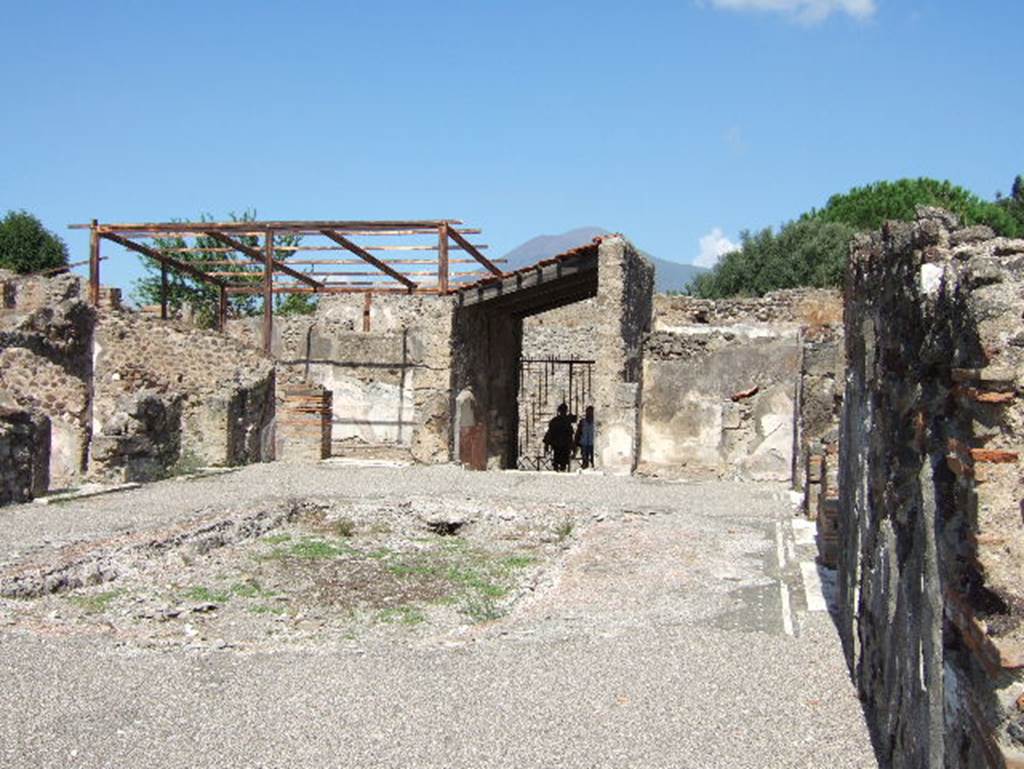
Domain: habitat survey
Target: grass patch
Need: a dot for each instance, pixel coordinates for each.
(96, 603)
(203, 594)
(265, 608)
(473, 580)
(277, 539)
(564, 530)
(309, 549)
(405, 615)
(518, 561)
(251, 589)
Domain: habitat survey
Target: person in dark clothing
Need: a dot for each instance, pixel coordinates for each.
(585, 438)
(559, 439)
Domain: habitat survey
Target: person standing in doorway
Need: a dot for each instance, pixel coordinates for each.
(585, 438)
(558, 439)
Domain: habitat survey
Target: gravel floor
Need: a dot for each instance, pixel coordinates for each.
(655, 636)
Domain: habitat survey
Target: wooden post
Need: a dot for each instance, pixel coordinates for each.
(367, 305)
(222, 310)
(268, 292)
(442, 259)
(163, 292)
(94, 265)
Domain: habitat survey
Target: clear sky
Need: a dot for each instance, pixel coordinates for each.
(677, 123)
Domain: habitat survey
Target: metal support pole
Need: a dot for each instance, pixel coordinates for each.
(94, 265)
(442, 259)
(268, 292)
(163, 292)
(222, 310)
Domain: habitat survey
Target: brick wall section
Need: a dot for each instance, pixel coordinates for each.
(930, 539)
(24, 455)
(161, 384)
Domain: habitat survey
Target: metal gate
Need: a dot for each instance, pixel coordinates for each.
(544, 384)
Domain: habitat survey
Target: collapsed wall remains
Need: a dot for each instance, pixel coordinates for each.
(24, 455)
(930, 539)
(127, 397)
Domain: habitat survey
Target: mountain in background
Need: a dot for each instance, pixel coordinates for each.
(668, 276)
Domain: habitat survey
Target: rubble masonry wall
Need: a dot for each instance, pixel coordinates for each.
(46, 334)
(930, 540)
(167, 392)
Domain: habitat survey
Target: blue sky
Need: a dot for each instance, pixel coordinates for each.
(672, 122)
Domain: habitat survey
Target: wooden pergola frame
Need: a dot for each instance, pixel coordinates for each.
(271, 268)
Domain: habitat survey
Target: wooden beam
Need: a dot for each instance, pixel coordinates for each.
(362, 253)
(442, 258)
(336, 288)
(421, 225)
(471, 249)
(94, 266)
(268, 292)
(174, 264)
(332, 262)
(255, 254)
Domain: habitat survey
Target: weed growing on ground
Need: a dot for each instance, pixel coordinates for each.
(344, 528)
(277, 539)
(564, 530)
(187, 463)
(481, 608)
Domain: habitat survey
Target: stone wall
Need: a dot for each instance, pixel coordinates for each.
(930, 538)
(164, 388)
(793, 306)
(625, 302)
(24, 455)
(389, 385)
(46, 332)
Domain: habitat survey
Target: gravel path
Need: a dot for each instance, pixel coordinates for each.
(669, 635)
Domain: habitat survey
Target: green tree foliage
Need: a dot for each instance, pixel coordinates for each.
(295, 304)
(208, 255)
(1014, 204)
(812, 250)
(808, 252)
(26, 246)
(867, 208)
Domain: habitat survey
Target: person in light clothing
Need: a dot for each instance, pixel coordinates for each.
(585, 438)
